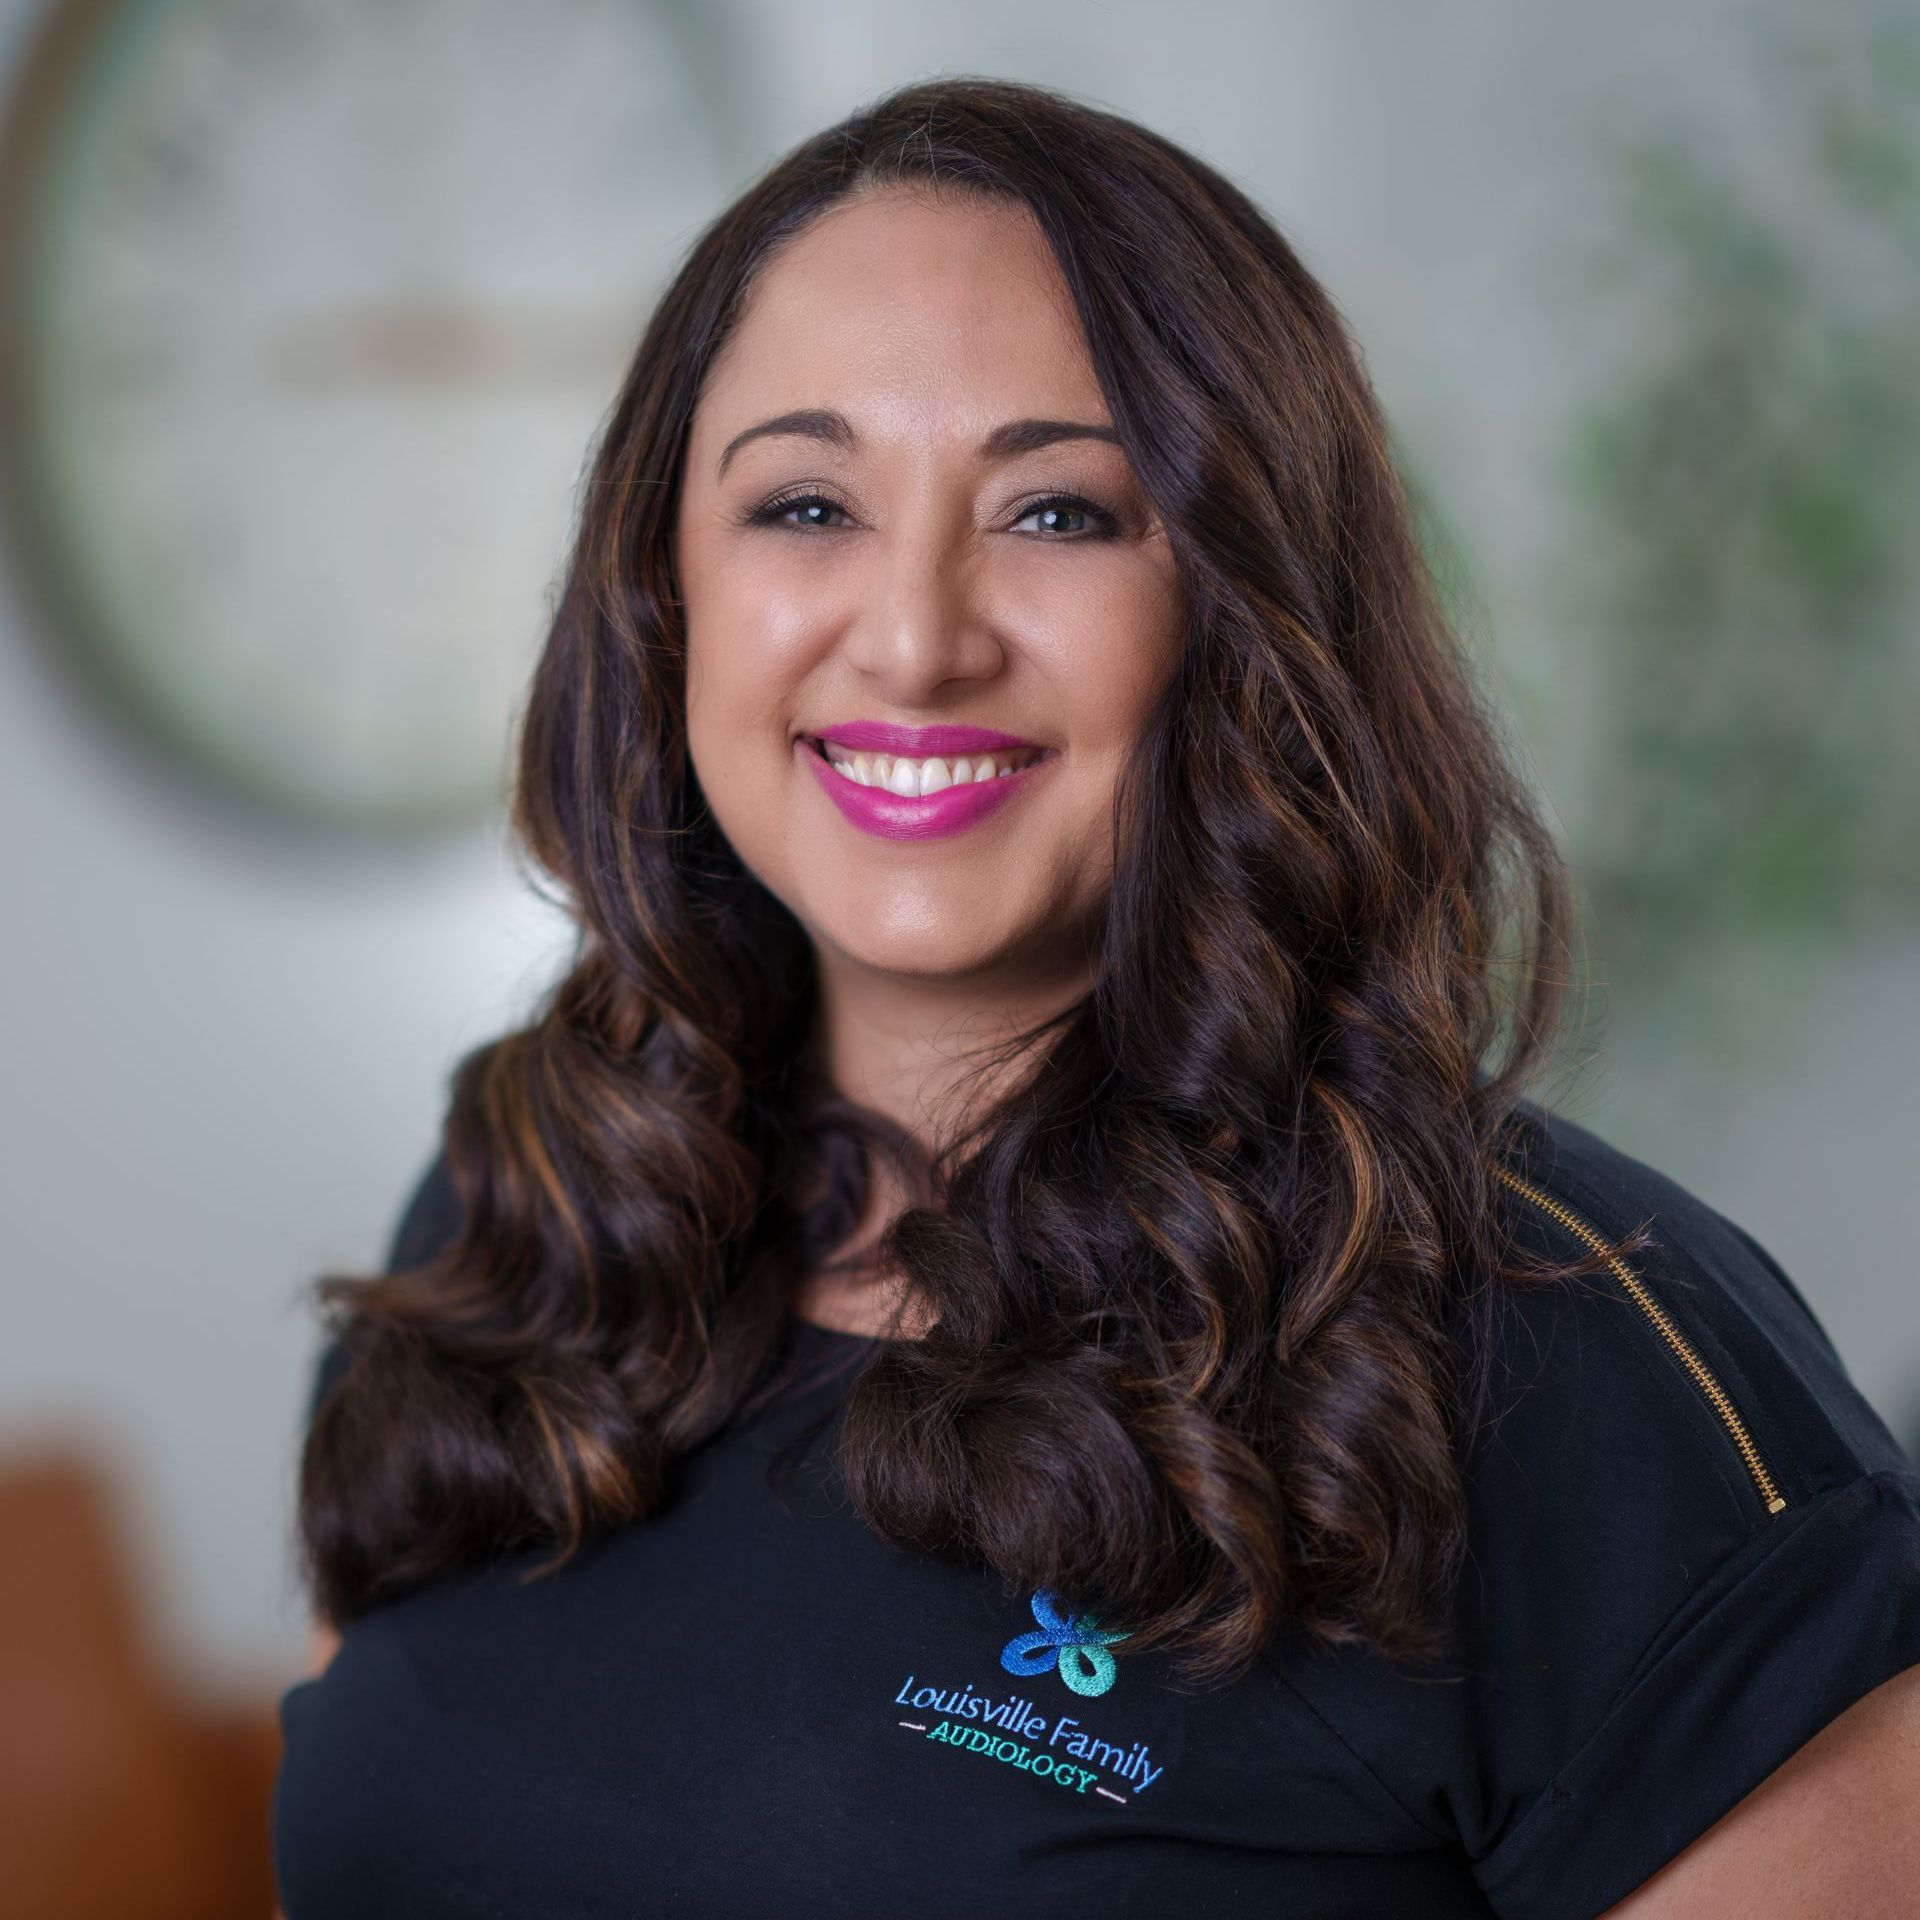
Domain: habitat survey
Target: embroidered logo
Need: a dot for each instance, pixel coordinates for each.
(1075, 1644)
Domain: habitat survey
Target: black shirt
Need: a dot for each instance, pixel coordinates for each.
(1692, 1545)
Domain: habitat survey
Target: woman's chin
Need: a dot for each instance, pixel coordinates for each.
(927, 943)
(922, 960)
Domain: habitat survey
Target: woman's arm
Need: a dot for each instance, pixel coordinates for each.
(322, 1643)
(1834, 1830)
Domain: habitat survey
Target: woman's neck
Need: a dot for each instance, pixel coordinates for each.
(928, 1054)
(849, 1292)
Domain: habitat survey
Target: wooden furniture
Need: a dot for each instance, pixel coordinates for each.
(121, 1798)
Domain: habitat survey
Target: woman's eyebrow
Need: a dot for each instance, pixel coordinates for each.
(1010, 438)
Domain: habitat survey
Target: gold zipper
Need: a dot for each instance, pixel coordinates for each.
(1644, 1300)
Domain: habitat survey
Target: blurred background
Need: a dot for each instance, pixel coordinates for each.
(310, 312)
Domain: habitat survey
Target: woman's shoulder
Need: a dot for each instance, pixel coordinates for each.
(430, 1217)
(428, 1220)
(1688, 1532)
(1685, 1297)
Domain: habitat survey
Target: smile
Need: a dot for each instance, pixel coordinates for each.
(917, 797)
(911, 778)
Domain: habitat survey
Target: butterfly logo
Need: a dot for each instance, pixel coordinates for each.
(1072, 1642)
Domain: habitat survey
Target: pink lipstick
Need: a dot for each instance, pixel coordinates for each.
(952, 809)
(877, 736)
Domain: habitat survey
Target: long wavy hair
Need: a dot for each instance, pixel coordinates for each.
(1210, 1280)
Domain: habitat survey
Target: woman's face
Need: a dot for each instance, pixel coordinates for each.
(903, 509)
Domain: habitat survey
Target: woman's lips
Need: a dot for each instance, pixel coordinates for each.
(898, 816)
(918, 743)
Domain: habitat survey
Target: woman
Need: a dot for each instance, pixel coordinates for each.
(1002, 1342)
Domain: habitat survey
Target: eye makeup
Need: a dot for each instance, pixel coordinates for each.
(1103, 524)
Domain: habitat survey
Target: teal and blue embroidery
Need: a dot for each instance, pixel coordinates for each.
(1073, 1643)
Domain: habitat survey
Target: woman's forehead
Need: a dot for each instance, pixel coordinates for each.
(910, 318)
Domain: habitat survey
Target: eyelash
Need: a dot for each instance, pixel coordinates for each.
(1105, 525)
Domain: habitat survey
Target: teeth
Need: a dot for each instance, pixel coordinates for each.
(912, 778)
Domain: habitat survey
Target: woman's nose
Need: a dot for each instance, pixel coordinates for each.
(919, 619)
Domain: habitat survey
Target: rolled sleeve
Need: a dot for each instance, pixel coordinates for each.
(1822, 1608)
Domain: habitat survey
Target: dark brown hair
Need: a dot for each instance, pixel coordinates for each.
(1211, 1290)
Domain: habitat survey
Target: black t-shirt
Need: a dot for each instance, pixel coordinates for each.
(1692, 1545)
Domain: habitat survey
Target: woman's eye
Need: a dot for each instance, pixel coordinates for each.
(1065, 516)
(775, 512)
